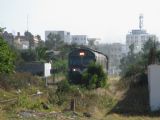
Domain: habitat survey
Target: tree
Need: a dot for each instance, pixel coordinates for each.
(29, 55)
(41, 43)
(39, 37)
(149, 44)
(127, 61)
(54, 41)
(150, 52)
(2, 29)
(7, 57)
(41, 53)
(91, 43)
(29, 37)
(134, 66)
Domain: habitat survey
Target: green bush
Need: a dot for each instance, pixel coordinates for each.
(60, 65)
(63, 86)
(60, 95)
(7, 57)
(64, 93)
(94, 76)
(26, 102)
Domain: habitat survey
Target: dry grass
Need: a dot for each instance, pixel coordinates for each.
(121, 117)
(132, 104)
(2, 115)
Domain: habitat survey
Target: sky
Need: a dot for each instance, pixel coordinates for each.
(109, 20)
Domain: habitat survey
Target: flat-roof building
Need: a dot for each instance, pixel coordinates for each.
(64, 35)
(79, 39)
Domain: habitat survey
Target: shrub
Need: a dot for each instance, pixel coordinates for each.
(60, 95)
(26, 102)
(64, 93)
(7, 57)
(63, 86)
(94, 76)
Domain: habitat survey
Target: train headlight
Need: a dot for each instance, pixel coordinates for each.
(74, 69)
(81, 54)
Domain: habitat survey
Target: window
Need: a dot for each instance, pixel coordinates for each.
(131, 37)
(136, 38)
(142, 38)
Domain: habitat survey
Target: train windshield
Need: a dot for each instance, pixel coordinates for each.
(80, 60)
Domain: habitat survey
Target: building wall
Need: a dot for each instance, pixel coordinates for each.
(35, 68)
(138, 38)
(20, 42)
(115, 52)
(65, 36)
(79, 39)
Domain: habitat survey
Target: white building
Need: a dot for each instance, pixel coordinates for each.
(80, 39)
(36, 41)
(64, 35)
(20, 42)
(138, 37)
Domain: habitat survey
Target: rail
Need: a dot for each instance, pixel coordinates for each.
(15, 99)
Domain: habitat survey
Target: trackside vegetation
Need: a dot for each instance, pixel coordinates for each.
(94, 76)
(91, 78)
(7, 57)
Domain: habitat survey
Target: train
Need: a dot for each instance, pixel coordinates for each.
(80, 58)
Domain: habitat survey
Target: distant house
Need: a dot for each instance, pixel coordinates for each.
(20, 42)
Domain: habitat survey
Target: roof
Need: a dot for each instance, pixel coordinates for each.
(86, 48)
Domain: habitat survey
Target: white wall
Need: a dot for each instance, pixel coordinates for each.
(154, 87)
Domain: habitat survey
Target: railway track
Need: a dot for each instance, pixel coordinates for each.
(12, 100)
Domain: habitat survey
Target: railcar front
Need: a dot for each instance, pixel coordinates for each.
(79, 59)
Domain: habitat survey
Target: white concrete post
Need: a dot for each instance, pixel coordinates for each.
(154, 86)
(47, 69)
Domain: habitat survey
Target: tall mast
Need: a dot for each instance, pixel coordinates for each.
(140, 21)
(27, 23)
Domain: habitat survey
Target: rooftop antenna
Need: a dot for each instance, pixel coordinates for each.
(140, 21)
(27, 23)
